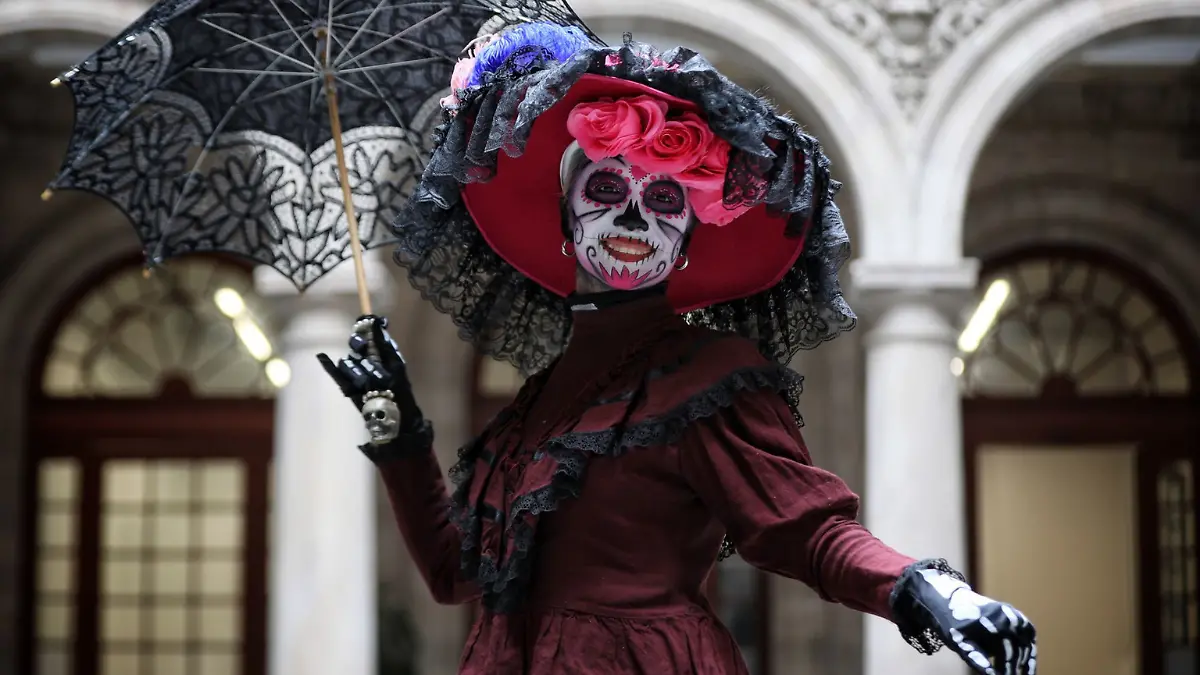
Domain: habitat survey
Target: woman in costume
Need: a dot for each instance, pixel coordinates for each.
(654, 243)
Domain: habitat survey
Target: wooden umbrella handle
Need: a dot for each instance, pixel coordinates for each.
(335, 124)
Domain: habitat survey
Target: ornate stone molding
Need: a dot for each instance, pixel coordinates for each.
(909, 38)
(879, 286)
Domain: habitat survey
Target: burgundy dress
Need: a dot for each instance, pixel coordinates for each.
(591, 511)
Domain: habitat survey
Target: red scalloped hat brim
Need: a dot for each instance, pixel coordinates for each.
(518, 214)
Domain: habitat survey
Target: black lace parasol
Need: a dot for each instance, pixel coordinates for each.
(283, 131)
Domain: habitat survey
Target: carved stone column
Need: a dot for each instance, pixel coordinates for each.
(914, 498)
(323, 611)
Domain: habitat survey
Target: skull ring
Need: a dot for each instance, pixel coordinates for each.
(381, 416)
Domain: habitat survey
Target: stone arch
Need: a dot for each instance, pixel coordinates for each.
(984, 79)
(806, 60)
(102, 17)
(1103, 215)
(76, 249)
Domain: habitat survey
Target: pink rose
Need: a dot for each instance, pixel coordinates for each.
(462, 72)
(709, 173)
(610, 128)
(709, 207)
(458, 82)
(680, 145)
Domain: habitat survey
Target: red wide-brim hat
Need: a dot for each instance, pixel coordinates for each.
(518, 213)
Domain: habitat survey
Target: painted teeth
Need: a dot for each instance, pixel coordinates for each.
(614, 241)
(624, 249)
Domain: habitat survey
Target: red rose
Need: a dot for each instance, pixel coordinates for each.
(679, 146)
(610, 128)
(709, 206)
(709, 173)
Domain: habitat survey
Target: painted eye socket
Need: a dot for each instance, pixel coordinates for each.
(665, 197)
(606, 187)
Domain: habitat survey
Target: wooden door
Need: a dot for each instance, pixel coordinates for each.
(151, 556)
(1168, 483)
(149, 445)
(1088, 355)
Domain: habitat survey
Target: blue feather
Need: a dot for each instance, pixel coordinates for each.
(562, 42)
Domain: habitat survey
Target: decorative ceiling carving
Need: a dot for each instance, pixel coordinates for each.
(909, 38)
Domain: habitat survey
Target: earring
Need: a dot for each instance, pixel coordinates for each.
(565, 252)
(682, 267)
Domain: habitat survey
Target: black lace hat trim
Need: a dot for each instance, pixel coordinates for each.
(505, 585)
(912, 619)
(510, 317)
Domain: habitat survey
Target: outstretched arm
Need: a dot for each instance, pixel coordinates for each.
(374, 375)
(750, 466)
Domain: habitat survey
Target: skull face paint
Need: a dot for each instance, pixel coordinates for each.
(628, 225)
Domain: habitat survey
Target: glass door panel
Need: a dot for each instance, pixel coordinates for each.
(1058, 537)
(1175, 537)
(171, 567)
(56, 568)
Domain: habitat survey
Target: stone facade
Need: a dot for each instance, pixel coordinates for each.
(954, 141)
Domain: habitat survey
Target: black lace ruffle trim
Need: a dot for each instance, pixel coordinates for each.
(913, 620)
(505, 584)
(667, 428)
(510, 317)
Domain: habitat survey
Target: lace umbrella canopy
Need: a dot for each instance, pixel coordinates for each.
(283, 131)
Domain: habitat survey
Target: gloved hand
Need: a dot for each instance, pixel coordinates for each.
(992, 637)
(374, 376)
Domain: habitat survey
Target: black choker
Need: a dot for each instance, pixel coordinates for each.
(585, 302)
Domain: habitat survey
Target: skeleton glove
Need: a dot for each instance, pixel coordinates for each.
(933, 605)
(374, 376)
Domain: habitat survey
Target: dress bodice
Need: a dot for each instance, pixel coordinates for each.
(590, 512)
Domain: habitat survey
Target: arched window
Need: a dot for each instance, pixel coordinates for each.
(1082, 433)
(151, 439)
(189, 327)
(1063, 325)
(738, 591)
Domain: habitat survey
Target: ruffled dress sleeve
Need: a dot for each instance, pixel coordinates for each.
(749, 465)
(421, 505)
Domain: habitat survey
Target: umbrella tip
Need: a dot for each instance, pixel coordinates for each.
(56, 82)
(47, 194)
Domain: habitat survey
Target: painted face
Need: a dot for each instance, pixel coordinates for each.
(629, 225)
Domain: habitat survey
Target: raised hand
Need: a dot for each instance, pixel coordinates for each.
(374, 376)
(993, 637)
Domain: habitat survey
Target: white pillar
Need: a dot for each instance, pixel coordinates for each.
(914, 497)
(322, 579)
